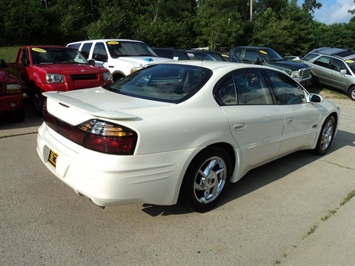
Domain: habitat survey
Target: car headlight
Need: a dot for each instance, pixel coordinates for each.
(134, 69)
(296, 74)
(107, 76)
(13, 88)
(54, 78)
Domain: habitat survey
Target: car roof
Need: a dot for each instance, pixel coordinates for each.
(224, 66)
(340, 52)
(251, 47)
(107, 40)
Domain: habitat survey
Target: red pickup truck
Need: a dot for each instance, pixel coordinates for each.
(55, 68)
(11, 96)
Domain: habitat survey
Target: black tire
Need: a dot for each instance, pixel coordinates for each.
(206, 179)
(315, 81)
(326, 136)
(37, 101)
(351, 93)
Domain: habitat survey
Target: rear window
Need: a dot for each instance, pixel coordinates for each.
(309, 57)
(163, 82)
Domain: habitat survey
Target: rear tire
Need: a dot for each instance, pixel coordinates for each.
(326, 136)
(206, 179)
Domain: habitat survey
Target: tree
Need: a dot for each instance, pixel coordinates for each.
(217, 24)
(310, 5)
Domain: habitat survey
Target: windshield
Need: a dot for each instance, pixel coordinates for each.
(351, 64)
(163, 82)
(127, 48)
(270, 55)
(45, 55)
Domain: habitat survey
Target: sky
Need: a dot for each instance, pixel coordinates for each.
(333, 11)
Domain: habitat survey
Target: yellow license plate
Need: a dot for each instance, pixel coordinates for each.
(52, 158)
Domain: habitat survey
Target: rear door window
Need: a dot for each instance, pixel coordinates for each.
(85, 50)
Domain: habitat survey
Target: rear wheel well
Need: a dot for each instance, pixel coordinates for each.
(229, 149)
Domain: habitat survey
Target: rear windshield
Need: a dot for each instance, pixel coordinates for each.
(163, 82)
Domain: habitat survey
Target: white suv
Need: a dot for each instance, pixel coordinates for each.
(120, 56)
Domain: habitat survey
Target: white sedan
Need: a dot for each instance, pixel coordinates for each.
(180, 129)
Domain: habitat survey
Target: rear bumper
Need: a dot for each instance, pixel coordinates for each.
(111, 179)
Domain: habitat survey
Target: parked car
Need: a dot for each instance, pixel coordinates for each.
(172, 53)
(179, 129)
(11, 96)
(54, 68)
(269, 57)
(120, 56)
(206, 55)
(293, 58)
(333, 67)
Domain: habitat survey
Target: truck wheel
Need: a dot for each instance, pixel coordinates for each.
(37, 102)
(116, 77)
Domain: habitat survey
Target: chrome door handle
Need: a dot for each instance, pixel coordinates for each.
(290, 120)
(240, 126)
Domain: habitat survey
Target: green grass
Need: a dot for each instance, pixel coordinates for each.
(8, 53)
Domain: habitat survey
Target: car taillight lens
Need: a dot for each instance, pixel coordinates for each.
(96, 135)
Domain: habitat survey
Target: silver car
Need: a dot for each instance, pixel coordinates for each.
(334, 67)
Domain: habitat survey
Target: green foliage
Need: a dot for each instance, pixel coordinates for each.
(281, 24)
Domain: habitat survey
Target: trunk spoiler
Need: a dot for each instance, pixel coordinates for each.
(87, 108)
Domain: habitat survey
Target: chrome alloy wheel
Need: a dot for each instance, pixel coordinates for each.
(327, 135)
(210, 180)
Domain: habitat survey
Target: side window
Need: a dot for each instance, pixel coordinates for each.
(85, 50)
(100, 53)
(226, 92)
(286, 89)
(323, 61)
(24, 55)
(251, 56)
(251, 87)
(337, 65)
(237, 52)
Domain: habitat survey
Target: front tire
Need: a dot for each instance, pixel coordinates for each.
(206, 179)
(351, 93)
(326, 136)
(37, 102)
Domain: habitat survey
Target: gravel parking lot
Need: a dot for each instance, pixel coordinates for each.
(274, 216)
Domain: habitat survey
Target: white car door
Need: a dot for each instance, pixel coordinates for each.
(255, 122)
(302, 118)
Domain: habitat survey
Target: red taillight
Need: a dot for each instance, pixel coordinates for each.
(96, 135)
(111, 145)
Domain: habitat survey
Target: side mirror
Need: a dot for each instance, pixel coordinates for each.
(259, 61)
(343, 71)
(100, 57)
(315, 98)
(91, 62)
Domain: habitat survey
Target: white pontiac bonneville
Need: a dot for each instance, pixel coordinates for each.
(180, 129)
